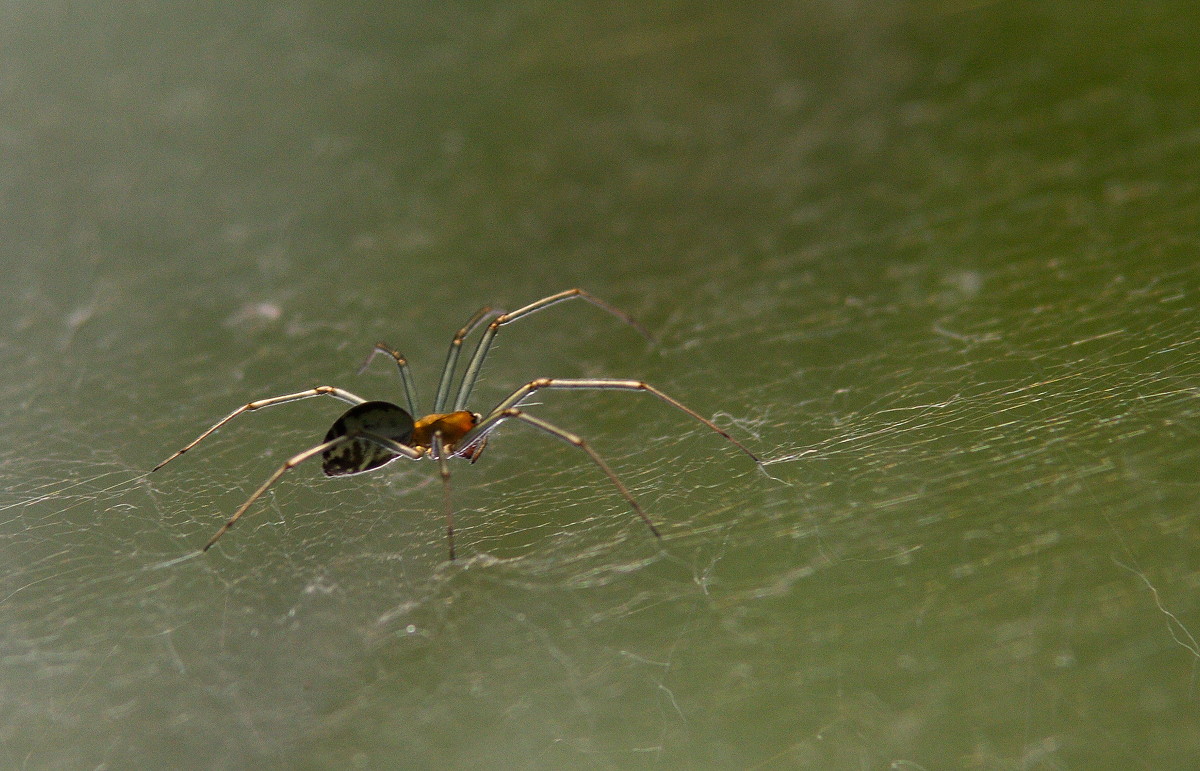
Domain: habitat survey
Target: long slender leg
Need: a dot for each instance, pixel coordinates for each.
(438, 448)
(577, 441)
(485, 342)
(443, 392)
(336, 393)
(410, 392)
(600, 384)
(295, 460)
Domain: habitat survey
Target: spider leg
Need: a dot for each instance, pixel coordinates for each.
(410, 393)
(443, 392)
(485, 342)
(440, 452)
(598, 384)
(296, 460)
(336, 393)
(497, 417)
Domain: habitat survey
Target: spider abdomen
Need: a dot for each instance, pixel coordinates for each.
(358, 455)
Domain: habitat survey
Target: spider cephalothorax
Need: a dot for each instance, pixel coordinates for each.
(373, 433)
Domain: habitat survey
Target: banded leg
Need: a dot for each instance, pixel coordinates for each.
(336, 393)
(576, 441)
(483, 314)
(481, 350)
(296, 460)
(410, 392)
(598, 384)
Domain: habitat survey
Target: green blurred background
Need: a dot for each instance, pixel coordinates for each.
(936, 261)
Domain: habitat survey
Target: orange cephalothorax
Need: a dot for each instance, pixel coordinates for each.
(453, 426)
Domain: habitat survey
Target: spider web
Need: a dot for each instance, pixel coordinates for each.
(104, 528)
(964, 338)
(329, 622)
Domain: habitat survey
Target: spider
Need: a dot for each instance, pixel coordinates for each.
(372, 434)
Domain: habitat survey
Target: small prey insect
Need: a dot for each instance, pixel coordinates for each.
(372, 434)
